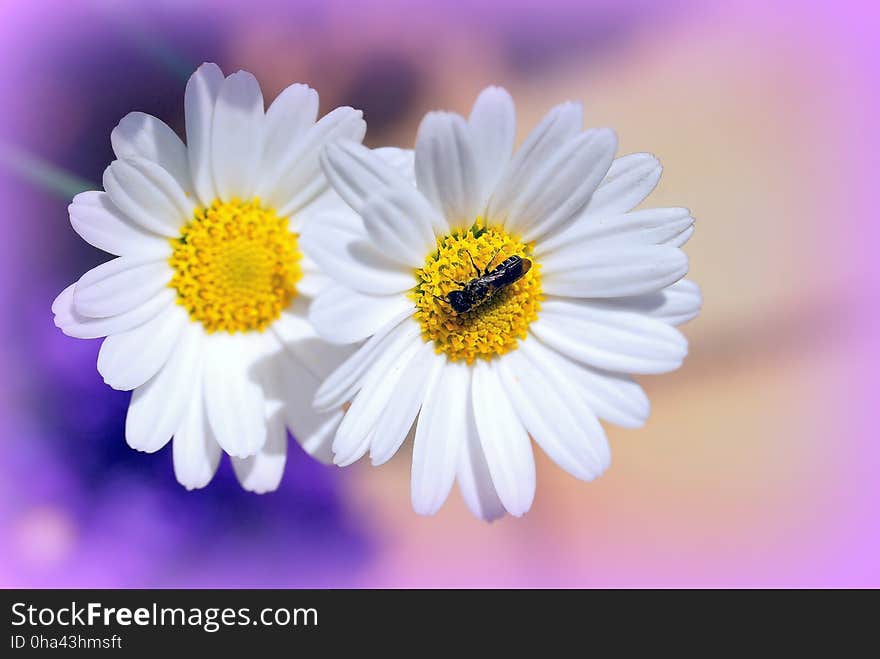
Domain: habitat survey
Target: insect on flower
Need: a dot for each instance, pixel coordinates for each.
(487, 283)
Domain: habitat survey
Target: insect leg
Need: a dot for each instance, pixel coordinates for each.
(443, 300)
(471, 257)
(486, 271)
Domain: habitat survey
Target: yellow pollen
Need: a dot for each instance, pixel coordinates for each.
(236, 265)
(491, 328)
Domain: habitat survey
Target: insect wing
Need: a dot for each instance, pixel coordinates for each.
(510, 271)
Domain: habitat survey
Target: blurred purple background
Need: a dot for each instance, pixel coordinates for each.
(759, 464)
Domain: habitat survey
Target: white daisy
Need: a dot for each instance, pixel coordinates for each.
(204, 308)
(544, 357)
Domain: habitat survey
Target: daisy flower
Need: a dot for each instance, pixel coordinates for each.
(574, 291)
(204, 308)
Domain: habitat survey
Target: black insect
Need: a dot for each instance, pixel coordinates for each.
(487, 283)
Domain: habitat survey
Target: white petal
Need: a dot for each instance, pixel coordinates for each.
(474, 479)
(157, 408)
(237, 136)
(676, 304)
(195, 451)
(299, 337)
(440, 432)
(343, 251)
(375, 394)
(291, 114)
(234, 394)
(72, 323)
(341, 315)
(298, 178)
(119, 285)
(682, 238)
(504, 440)
(313, 283)
(296, 387)
(356, 171)
(612, 270)
(560, 125)
(400, 413)
(129, 359)
(326, 204)
(95, 218)
(201, 96)
(614, 397)
(610, 339)
(262, 472)
(402, 161)
(653, 226)
(446, 168)
(629, 181)
(346, 456)
(558, 188)
(402, 223)
(149, 195)
(493, 129)
(554, 413)
(141, 135)
(341, 385)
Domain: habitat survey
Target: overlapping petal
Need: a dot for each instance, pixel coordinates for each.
(140, 135)
(234, 397)
(368, 404)
(341, 385)
(157, 407)
(120, 285)
(199, 100)
(439, 437)
(400, 414)
(342, 247)
(356, 172)
(344, 316)
(447, 170)
(73, 323)
(148, 195)
(297, 178)
(237, 135)
(128, 359)
(504, 440)
(101, 224)
(618, 340)
(195, 451)
(492, 123)
(612, 270)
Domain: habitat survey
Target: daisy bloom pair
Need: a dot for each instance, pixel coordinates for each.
(502, 297)
(274, 272)
(204, 307)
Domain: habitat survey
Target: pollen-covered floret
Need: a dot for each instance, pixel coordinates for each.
(236, 265)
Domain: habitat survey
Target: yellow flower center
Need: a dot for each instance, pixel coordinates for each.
(498, 318)
(236, 265)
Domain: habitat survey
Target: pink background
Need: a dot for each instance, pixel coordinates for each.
(759, 464)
